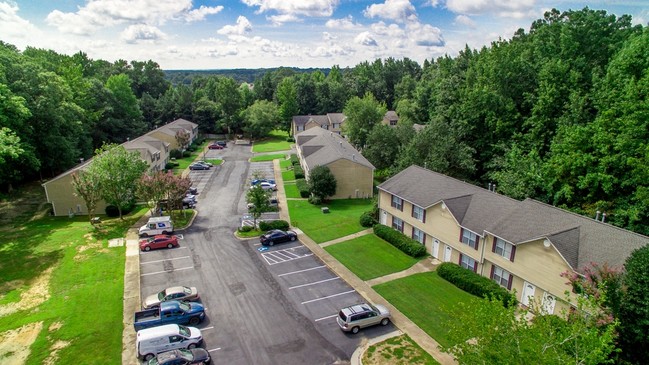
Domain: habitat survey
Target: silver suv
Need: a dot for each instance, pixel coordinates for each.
(358, 316)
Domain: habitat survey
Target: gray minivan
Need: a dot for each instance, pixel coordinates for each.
(353, 318)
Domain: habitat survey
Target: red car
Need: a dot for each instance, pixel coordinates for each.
(215, 146)
(159, 241)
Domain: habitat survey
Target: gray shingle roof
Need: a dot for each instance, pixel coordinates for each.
(580, 240)
(321, 147)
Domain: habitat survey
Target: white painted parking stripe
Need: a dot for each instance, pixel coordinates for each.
(327, 297)
(314, 283)
(206, 328)
(163, 272)
(268, 260)
(299, 271)
(327, 317)
(293, 259)
(216, 349)
(173, 258)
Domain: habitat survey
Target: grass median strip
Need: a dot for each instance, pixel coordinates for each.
(270, 157)
(342, 219)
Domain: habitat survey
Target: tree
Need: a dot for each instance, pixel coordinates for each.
(362, 115)
(87, 185)
(287, 98)
(118, 171)
(258, 197)
(634, 309)
(260, 118)
(488, 333)
(153, 187)
(322, 183)
(182, 138)
(382, 146)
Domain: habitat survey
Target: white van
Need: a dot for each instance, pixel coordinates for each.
(152, 341)
(157, 225)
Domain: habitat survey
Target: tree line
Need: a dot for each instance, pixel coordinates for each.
(556, 113)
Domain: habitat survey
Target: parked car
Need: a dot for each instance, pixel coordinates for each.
(265, 185)
(152, 341)
(277, 236)
(221, 143)
(257, 181)
(181, 357)
(205, 163)
(353, 318)
(192, 190)
(198, 166)
(215, 146)
(171, 312)
(272, 203)
(156, 226)
(172, 293)
(185, 203)
(159, 241)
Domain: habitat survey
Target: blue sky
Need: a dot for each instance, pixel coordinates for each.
(219, 34)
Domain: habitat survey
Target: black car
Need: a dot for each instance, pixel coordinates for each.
(221, 143)
(181, 357)
(192, 190)
(277, 236)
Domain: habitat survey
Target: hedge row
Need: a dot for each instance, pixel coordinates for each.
(397, 239)
(367, 219)
(473, 283)
(299, 172)
(278, 224)
(302, 187)
(294, 160)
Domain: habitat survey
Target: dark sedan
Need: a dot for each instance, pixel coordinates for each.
(215, 146)
(159, 241)
(181, 357)
(277, 236)
(198, 166)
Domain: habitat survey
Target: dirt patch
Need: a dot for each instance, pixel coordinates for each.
(81, 250)
(37, 293)
(54, 352)
(23, 204)
(400, 350)
(15, 344)
(55, 326)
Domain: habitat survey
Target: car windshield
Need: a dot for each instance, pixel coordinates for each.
(187, 290)
(184, 331)
(184, 306)
(162, 294)
(186, 354)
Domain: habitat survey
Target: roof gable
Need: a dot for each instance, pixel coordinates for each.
(324, 147)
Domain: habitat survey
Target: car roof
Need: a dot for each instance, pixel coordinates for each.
(358, 308)
(175, 289)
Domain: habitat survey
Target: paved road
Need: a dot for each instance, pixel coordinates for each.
(251, 318)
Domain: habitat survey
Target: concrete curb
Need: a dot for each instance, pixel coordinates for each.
(357, 356)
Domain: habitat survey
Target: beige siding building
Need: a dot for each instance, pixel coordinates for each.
(354, 173)
(524, 246)
(153, 147)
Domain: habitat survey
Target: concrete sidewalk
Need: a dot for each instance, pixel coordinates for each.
(347, 238)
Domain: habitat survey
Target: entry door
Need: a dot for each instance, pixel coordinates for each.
(447, 254)
(384, 217)
(548, 303)
(528, 294)
(435, 249)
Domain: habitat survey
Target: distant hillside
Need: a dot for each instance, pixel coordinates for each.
(248, 75)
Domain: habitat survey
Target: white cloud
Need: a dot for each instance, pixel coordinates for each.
(366, 39)
(432, 3)
(11, 24)
(243, 26)
(502, 8)
(202, 12)
(425, 34)
(397, 10)
(465, 20)
(343, 23)
(278, 20)
(142, 33)
(291, 10)
(392, 30)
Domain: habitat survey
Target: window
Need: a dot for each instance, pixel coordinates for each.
(502, 277)
(397, 202)
(468, 263)
(300, 127)
(418, 235)
(419, 213)
(504, 249)
(393, 122)
(336, 125)
(469, 238)
(397, 224)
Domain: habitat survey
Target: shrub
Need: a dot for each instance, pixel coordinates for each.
(278, 224)
(397, 239)
(112, 211)
(302, 187)
(473, 283)
(299, 172)
(315, 200)
(245, 229)
(294, 160)
(290, 139)
(367, 219)
(170, 165)
(175, 154)
(187, 153)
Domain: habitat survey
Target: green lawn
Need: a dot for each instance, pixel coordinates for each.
(288, 175)
(85, 288)
(370, 257)
(270, 157)
(341, 221)
(276, 141)
(284, 164)
(427, 300)
(291, 191)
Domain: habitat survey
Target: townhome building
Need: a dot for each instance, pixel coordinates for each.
(524, 246)
(333, 122)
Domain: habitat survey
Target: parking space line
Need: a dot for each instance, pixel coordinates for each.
(163, 272)
(296, 272)
(206, 328)
(268, 260)
(173, 258)
(293, 259)
(327, 297)
(216, 349)
(327, 317)
(314, 283)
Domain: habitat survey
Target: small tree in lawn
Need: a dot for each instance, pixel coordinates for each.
(322, 183)
(176, 188)
(259, 198)
(153, 187)
(118, 171)
(182, 138)
(87, 185)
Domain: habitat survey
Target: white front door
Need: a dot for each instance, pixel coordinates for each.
(548, 303)
(435, 249)
(447, 254)
(384, 217)
(528, 294)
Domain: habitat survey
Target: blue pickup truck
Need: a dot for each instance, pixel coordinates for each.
(171, 312)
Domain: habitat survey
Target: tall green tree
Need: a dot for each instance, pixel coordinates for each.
(123, 119)
(382, 146)
(322, 183)
(634, 309)
(258, 198)
(287, 99)
(260, 118)
(87, 186)
(362, 115)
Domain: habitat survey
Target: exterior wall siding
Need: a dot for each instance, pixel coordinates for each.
(61, 194)
(350, 177)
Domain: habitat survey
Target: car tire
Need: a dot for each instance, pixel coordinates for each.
(355, 329)
(293, 238)
(147, 248)
(385, 321)
(194, 321)
(170, 246)
(148, 357)
(191, 346)
(165, 232)
(270, 243)
(144, 235)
